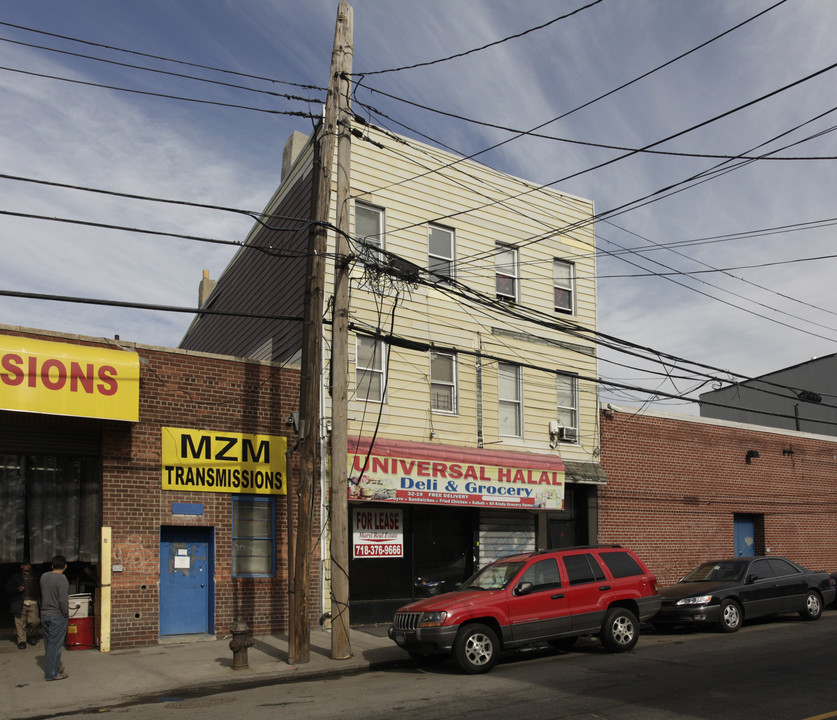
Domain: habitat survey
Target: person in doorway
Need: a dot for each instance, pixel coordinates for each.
(22, 590)
(55, 615)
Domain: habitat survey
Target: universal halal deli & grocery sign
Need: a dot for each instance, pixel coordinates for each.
(403, 472)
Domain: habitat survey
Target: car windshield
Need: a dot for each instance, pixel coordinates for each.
(493, 577)
(726, 570)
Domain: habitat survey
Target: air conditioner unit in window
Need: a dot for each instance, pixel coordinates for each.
(567, 434)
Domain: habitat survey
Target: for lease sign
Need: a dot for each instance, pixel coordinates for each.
(53, 378)
(377, 533)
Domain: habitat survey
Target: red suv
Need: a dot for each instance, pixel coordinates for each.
(548, 596)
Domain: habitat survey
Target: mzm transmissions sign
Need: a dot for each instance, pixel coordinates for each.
(226, 462)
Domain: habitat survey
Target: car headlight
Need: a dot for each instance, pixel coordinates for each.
(432, 619)
(697, 600)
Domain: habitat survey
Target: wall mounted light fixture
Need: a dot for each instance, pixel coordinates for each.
(750, 455)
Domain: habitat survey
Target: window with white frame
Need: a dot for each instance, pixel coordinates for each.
(253, 536)
(440, 252)
(567, 409)
(563, 283)
(369, 228)
(510, 394)
(443, 395)
(370, 369)
(505, 269)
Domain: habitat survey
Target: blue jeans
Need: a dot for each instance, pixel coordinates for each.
(55, 633)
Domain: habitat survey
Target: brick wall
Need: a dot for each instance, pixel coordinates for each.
(199, 391)
(675, 484)
(191, 390)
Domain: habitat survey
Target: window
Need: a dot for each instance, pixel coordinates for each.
(443, 393)
(563, 283)
(621, 564)
(440, 253)
(505, 268)
(369, 227)
(582, 569)
(370, 369)
(253, 536)
(567, 410)
(543, 575)
(511, 409)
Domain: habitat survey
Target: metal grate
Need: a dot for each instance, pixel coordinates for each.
(406, 621)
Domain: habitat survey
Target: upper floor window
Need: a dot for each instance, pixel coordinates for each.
(510, 399)
(505, 268)
(370, 369)
(563, 283)
(253, 536)
(440, 247)
(369, 227)
(567, 411)
(443, 393)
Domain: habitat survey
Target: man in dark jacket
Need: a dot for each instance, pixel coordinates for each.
(22, 591)
(55, 613)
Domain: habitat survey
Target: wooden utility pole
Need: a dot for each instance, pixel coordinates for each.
(299, 640)
(340, 644)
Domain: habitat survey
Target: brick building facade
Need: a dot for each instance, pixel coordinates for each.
(679, 488)
(243, 573)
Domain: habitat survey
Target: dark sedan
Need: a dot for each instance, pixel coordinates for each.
(727, 592)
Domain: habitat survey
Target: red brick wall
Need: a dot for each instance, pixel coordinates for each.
(674, 486)
(190, 390)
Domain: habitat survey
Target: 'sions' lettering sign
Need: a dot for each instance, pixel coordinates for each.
(226, 462)
(54, 378)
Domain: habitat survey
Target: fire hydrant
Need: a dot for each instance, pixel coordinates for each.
(239, 644)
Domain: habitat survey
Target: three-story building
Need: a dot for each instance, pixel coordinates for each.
(472, 413)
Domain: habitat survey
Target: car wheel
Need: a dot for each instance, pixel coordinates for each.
(813, 606)
(476, 648)
(564, 643)
(730, 616)
(620, 630)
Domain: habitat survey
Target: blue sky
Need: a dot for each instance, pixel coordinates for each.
(749, 320)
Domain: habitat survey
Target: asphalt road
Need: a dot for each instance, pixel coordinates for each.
(778, 670)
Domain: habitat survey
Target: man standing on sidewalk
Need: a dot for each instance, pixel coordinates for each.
(55, 615)
(22, 589)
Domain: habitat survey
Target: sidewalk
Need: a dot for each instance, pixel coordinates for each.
(174, 669)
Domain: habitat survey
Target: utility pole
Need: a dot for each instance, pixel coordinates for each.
(299, 639)
(340, 644)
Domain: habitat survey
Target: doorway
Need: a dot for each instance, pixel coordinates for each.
(186, 587)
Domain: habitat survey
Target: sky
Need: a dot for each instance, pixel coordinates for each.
(734, 272)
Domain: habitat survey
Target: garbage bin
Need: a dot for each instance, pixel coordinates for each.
(80, 635)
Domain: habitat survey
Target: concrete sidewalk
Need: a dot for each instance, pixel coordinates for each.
(176, 668)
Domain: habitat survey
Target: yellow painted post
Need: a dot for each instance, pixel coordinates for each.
(106, 556)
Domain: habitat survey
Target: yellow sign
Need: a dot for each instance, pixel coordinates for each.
(227, 462)
(55, 378)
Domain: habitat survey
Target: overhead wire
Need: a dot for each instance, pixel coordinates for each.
(161, 57)
(217, 103)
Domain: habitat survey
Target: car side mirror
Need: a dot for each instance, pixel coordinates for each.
(751, 578)
(523, 588)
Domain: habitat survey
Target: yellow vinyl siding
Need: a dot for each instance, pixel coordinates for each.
(384, 178)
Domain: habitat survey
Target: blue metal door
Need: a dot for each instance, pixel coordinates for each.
(745, 536)
(185, 580)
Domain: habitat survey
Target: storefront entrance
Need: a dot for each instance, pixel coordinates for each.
(438, 553)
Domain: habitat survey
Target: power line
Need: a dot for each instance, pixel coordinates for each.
(163, 72)
(291, 113)
(160, 57)
(483, 47)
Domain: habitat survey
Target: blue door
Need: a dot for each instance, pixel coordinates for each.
(185, 580)
(745, 536)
